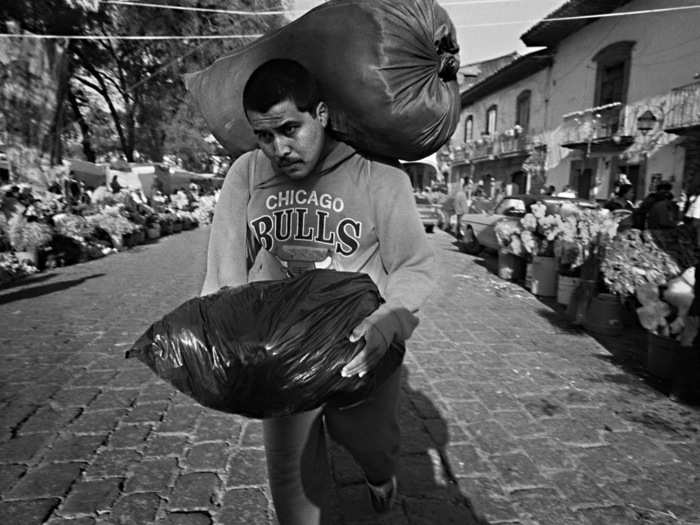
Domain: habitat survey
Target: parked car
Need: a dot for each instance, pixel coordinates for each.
(428, 212)
(479, 228)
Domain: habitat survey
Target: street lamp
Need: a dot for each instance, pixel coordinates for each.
(645, 123)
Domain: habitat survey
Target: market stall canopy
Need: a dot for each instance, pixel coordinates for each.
(93, 175)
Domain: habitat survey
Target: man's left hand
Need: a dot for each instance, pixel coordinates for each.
(373, 347)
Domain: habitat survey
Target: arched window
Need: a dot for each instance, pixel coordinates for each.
(522, 110)
(491, 116)
(612, 75)
(469, 128)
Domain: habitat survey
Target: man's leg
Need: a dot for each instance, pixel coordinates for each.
(370, 430)
(297, 466)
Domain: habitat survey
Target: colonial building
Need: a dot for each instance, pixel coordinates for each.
(614, 94)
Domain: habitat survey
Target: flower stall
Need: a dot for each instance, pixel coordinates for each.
(42, 229)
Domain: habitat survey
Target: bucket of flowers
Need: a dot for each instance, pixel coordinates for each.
(118, 227)
(672, 328)
(511, 260)
(539, 231)
(28, 237)
(579, 245)
(167, 221)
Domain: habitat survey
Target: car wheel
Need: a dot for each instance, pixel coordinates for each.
(469, 244)
(429, 228)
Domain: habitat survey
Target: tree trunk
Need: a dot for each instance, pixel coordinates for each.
(88, 150)
(63, 73)
(101, 88)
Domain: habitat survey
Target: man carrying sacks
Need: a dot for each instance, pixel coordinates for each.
(314, 202)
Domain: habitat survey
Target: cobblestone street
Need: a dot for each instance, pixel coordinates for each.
(508, 416)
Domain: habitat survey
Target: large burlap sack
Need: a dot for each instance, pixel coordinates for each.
(269, 348)
(387, 69)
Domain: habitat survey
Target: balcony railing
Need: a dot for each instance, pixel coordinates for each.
(595, 125)
(684, 108)
(491, 148)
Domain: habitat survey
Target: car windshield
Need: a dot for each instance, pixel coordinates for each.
(510, 206)
(422, 200)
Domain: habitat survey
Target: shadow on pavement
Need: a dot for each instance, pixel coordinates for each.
(428, 491)
(36, 291)
(32, 279)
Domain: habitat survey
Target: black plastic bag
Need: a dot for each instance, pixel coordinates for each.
(268, 348)
(386, 68)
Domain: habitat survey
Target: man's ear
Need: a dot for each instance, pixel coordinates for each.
(322, 113)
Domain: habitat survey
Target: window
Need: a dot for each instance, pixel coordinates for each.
(522, 110)
(612, 76)
(469, 128)
(491, 115)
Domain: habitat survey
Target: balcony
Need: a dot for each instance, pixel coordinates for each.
(602, 127)
(683, 116)
(509, 144)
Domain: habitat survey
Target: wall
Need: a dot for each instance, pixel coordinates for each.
(506, 101)
(666, 55)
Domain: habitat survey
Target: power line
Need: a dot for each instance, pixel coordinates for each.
(126, 37)
(201, 37)
(196, 9)
(582, 17)
(133, 3)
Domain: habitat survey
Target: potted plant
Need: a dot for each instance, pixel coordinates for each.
(152, 227)
(27, 237)
(664, 313)
(580, 241)
(116, 225)
(539, 231)
(511, 261)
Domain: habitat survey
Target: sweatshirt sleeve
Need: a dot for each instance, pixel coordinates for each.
(226, 253)
(403, 246)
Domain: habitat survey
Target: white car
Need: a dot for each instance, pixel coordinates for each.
(479, 228)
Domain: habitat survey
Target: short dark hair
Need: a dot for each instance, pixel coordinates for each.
(278, 80)
(623, 188)
(664, 186)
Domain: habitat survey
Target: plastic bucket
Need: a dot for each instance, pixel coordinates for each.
(510, 267)
(544, 276)
(565, 287)
(604, 315)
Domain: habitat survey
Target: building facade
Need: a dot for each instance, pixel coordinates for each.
(608, 95)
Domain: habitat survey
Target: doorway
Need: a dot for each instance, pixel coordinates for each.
(582, 177)
(519, 181)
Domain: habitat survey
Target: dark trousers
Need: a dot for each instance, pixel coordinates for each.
(297, 458)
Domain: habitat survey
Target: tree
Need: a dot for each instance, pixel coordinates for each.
(141, 81)
(63, 17)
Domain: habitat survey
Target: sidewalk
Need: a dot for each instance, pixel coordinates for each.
(508, 414)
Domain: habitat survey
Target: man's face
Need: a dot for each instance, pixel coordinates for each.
(293, 140)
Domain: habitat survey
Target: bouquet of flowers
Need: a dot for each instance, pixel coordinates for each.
(581, 238)
(633, 259)
(204, 213)
(28, 235)
(539, 231)
(73, 226)
(508, 233)
(112, 222)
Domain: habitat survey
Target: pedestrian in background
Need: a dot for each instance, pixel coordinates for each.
(622, 199)
(461, 207)
(664, 212)
(370, 225)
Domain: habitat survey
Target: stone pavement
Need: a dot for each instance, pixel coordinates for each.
(508, 414)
